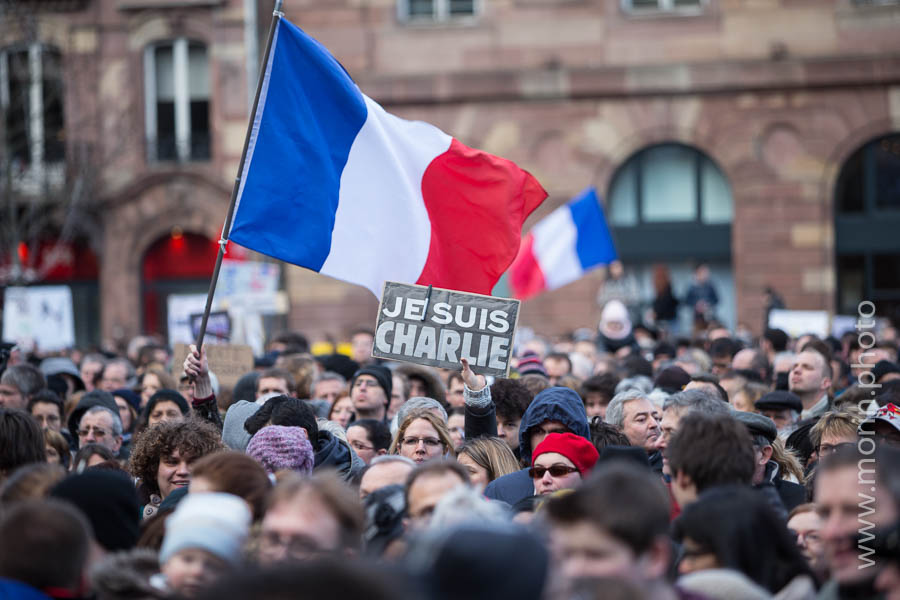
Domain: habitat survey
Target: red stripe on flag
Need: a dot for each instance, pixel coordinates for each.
(525, 276)
(477, 204)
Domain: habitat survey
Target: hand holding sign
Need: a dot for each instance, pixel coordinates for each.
(196, 366)
(473, 382)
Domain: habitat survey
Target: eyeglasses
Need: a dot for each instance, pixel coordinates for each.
(360, 446)
(807, 536)
(411, 442)
(294, 546)
(98, 432)
(829, 448)
(364, 383)
(555, 471)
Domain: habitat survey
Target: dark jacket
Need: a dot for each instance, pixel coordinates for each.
(87, 402)
(480, 422)
(335, 454)
(792, 494)
(607, 344)
(553, 404)
(665, 305)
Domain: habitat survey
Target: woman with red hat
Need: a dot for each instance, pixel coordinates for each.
(560, 462)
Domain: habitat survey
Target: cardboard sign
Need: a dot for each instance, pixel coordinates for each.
(228, 361)
(438, 329)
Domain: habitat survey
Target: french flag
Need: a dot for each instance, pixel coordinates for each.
(562, 247)
(333, 183)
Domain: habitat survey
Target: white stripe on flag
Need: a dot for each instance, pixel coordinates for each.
(381, 228)
(554, 248)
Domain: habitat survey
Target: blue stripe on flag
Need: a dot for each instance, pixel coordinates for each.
(311, 114)
(594, 244)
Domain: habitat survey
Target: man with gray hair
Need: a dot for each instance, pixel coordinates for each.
(100, 425)
(677, 406)
(328, 386)
(117, 374)
(389, 469)
(634, 414)
(18, 384)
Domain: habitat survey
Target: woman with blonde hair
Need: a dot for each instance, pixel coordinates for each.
(422, 436)
(486, 459)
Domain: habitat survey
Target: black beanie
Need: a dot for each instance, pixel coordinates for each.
(167, 396)
(109, 501)
(381, 374)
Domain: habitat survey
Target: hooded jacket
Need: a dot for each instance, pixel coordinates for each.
(335, 453)
(87, 402)
(553, 404)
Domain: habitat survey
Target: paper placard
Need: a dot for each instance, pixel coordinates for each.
(439, 329)
(228, 361)
(798, 322)
(39, 317)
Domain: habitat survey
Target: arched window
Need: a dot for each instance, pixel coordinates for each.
(176, 114)
(670, 183)
(867, 218)
(671, 204)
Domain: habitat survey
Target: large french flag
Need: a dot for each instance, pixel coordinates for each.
(562, 247)
(335, 184)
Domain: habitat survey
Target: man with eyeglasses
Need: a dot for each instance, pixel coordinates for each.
(100, 425)
(47, 409)
(87, 402)
(427, 484)
(308, 518)
(835, 429)
(805, 522)
(370, 391)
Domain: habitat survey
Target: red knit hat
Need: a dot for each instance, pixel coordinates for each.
(574, 447)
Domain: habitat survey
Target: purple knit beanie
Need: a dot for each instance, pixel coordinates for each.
(278, 447)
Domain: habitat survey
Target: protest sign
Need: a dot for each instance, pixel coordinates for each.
(440, 327)
(228, 361)
(218, 326)
(798, 322)
(39, 317)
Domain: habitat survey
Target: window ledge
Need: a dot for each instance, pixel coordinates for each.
(144, 4)
(426, 23)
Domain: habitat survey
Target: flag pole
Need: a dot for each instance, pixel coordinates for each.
(226, 229)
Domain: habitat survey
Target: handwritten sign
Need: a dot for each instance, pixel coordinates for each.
(228, 361)
(441, 328)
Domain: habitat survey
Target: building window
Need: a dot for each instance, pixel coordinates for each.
(32, 106)
(437, 10)
(176, 82)
(669, 183)
(655, 6)
(870, 179)
(867, 217)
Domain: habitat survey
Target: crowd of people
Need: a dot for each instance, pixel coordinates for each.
(611, 465)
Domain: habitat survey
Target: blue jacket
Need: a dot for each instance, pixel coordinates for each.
(16, 590)
(553, 404)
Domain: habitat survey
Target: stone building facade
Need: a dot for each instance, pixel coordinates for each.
(777, 98)
(779, 94)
